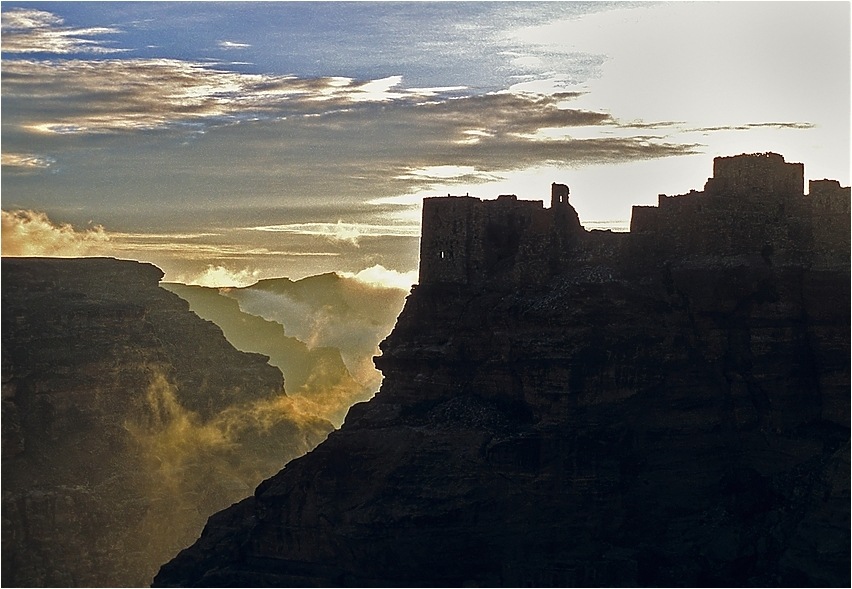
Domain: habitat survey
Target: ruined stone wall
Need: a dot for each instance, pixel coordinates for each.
(466, 240)
(756, 175)
(446, 240)
(829, 214)
(754, 205)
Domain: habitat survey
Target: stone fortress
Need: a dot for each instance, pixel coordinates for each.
(754, 205)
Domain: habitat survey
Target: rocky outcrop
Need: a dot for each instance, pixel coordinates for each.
(127, 420)
(623, 420)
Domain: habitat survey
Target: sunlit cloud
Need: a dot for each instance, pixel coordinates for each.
(445, 173)
(32, 233)
(198, 246)
(436, 91)
(379, 90)
(473, 136)
(219, 276)
(378, 275)
(29, 30)
(26, 161)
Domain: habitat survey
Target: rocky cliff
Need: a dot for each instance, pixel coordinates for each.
(127, 420)
(622, 420)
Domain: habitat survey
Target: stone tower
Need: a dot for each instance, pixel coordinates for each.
(558, 195)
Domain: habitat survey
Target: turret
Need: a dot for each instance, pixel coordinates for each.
(558, 195)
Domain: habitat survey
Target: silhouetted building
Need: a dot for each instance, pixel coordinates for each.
(753, 205)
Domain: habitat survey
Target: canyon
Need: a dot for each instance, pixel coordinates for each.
(127, 421)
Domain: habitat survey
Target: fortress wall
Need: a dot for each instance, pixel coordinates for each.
(446, 238)
(513, 239)
(644, 219)
(753, 206)
(750, 175)
(466, 240)
(829, 208)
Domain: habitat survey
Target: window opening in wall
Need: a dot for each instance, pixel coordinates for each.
(443, 255)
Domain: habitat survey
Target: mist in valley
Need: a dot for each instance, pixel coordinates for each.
(128, 421)
(321, 331)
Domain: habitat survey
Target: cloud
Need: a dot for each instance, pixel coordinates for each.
(109, 95)
(449, 173)
(340, 231)
(113, 95)
(26, 162)
(29, 30)
(233, 45)
(190, 467)
(378, 275)
(219, 276)
(750, 126)
(351, 312)
(32, 233)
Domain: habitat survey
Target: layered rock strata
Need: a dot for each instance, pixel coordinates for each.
(127, 420)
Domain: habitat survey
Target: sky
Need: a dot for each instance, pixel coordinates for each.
(233, 141)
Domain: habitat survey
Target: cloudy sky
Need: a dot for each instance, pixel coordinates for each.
(242, 140)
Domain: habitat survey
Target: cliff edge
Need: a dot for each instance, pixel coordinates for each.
(572, 408)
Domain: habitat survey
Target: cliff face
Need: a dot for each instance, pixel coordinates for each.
(690, 430)
(622, 420)
(127, 420)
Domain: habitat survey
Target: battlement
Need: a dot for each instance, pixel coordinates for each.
(753, 204)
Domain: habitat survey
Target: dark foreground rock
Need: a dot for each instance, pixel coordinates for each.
(641, 437)
(127, 420)
(571, 409)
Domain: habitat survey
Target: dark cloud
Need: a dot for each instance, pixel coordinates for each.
(750, 126)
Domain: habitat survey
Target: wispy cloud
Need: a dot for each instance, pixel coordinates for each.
(112, 95)
(33, 233)
(340, 231)
(750, 126)
(29, 30)
(233, 45)
(25, 162)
